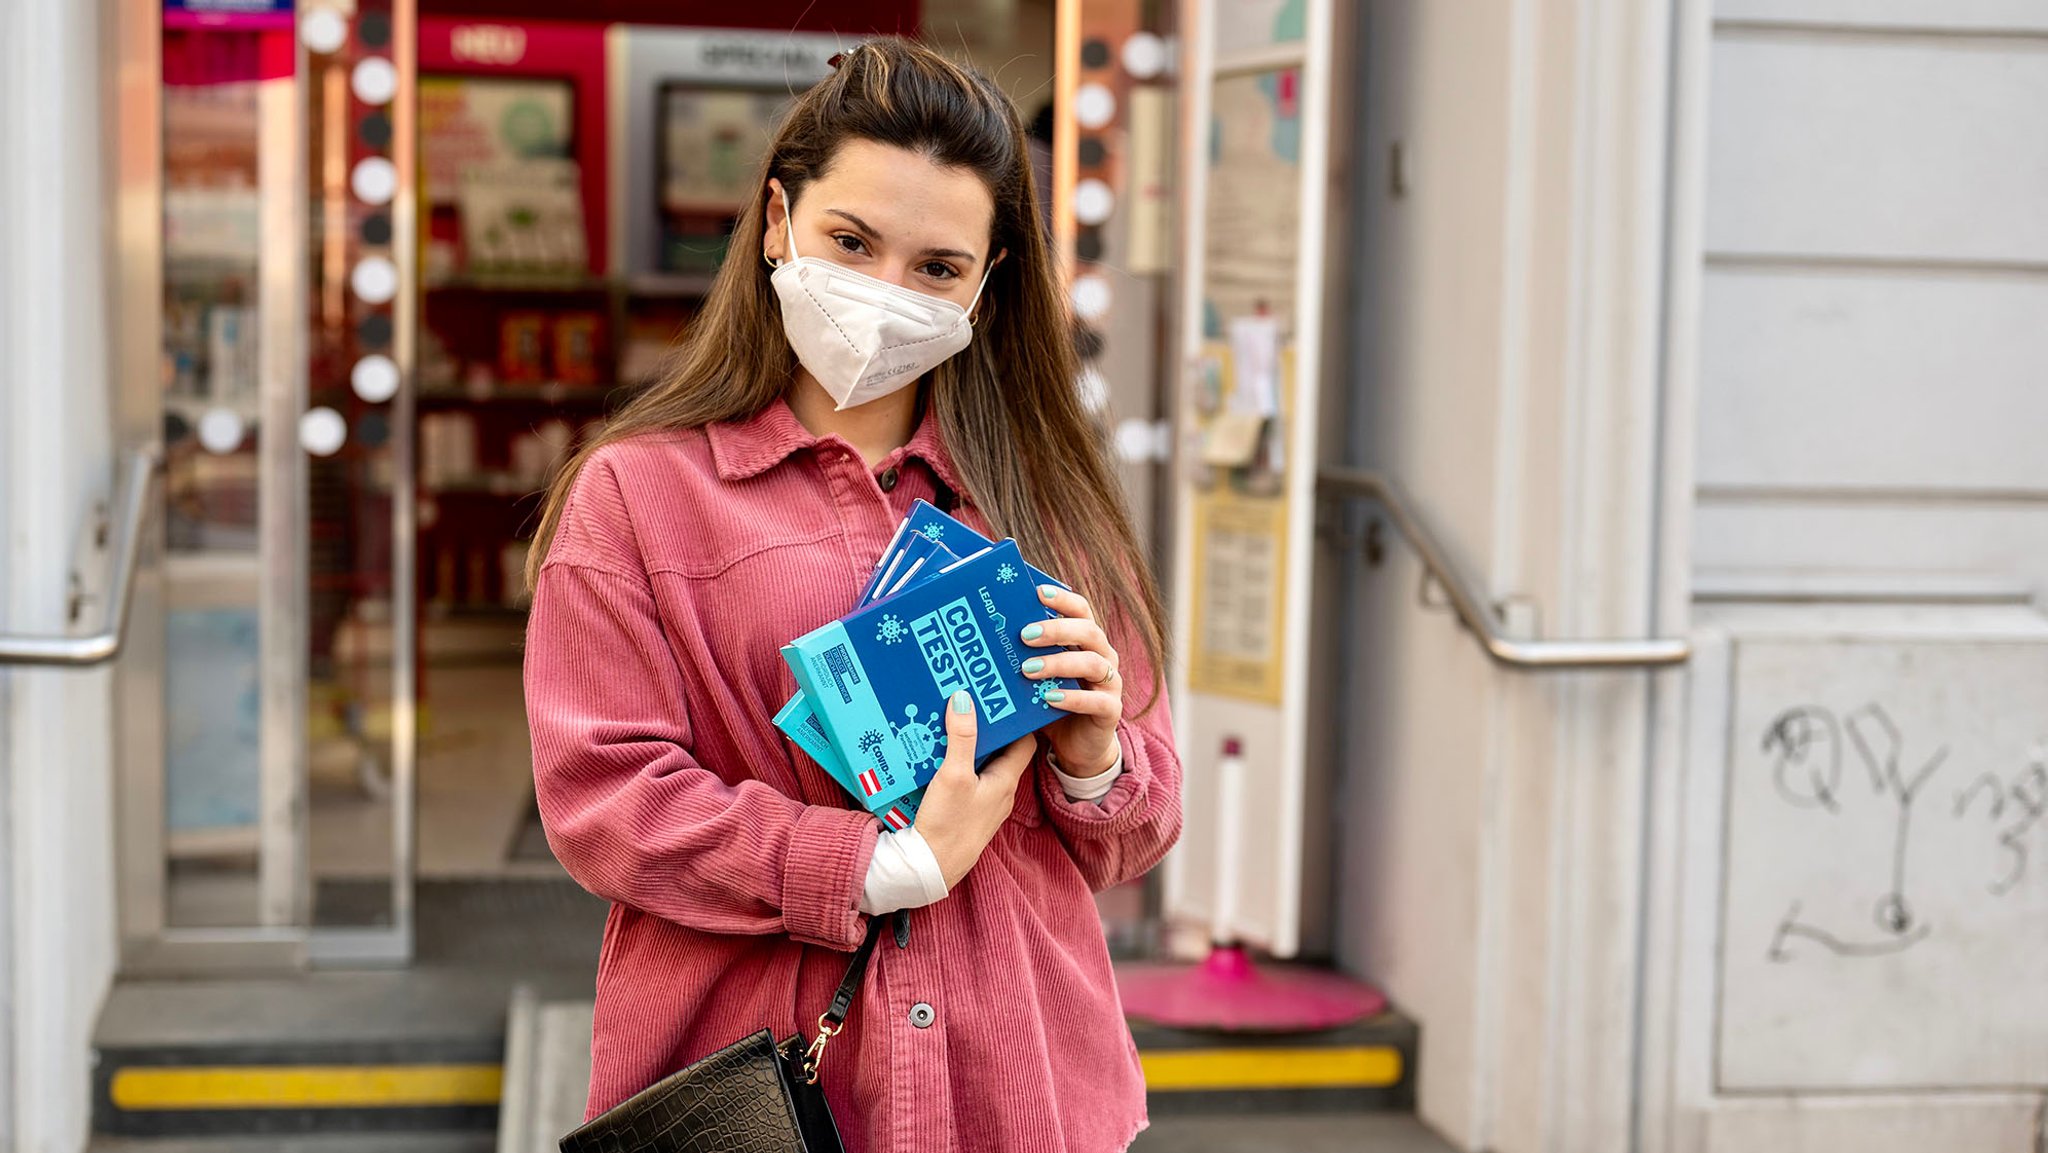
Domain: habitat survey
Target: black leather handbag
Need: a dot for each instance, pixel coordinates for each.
(753, 1096)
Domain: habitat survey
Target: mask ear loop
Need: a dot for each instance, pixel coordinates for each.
(978, 290)
(788, 225)
(788, 230)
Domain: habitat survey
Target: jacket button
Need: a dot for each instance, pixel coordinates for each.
(922, 1015)
(887, 480)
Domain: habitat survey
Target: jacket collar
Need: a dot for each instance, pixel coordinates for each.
(751, 445)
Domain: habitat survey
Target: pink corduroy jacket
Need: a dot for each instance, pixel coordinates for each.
(734, 863)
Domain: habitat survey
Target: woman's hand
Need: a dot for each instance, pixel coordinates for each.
(1085, 742)
(962, 809)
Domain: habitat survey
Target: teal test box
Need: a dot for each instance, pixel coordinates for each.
(878, 680)
(801, 722)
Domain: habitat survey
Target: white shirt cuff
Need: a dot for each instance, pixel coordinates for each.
(1088, 788)
(904, 874)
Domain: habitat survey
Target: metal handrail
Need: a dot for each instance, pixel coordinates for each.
(1476, 612)
(145, 465)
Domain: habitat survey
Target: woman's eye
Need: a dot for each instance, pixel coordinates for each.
(848, 242)
(938, 271)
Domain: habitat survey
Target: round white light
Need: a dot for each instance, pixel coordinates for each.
(374, 80)
(1094, 389)
(220, 430)
(375, 280)
(1138, 440)
(1093, 201)
(374, 180)
(1094, 105)
(323, 30)
(1091, 297)
(1144, 55)
(322, 431)
(375, 378)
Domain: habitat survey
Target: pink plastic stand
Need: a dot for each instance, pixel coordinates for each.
(1226, 992)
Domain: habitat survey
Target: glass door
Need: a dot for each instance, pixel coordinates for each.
(266, 789)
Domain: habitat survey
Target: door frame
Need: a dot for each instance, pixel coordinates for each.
(283, 939)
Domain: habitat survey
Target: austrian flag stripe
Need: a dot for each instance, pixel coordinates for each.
(870, 783)
(895, 819)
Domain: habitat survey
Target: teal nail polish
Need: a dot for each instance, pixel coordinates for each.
(1047, 592)
(962, 703)
(1033, 632)
(1055, 696)
(1033, 665)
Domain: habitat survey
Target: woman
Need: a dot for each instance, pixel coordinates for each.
(740, 504)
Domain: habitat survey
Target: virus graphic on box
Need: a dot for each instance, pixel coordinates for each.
(871, 743)
(933, 531)
(891, 629)
(1038, 692)
(920, 739)
(1006, 572)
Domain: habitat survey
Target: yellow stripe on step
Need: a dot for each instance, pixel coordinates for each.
(142, 1088)
(1180, 1070)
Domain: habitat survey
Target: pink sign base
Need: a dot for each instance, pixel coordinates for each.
(1229, 994)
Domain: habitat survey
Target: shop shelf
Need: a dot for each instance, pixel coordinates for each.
(503, 486)
(682, 285)
(678, 285)
(555, 392)
(519, 282)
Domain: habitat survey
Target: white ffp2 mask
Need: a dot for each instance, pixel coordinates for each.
(863, 338)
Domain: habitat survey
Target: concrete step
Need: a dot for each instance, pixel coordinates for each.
(424, 1058)
(417, 1051)
(1366, 1067)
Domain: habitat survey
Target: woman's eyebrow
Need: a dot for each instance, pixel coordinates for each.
(875, 234)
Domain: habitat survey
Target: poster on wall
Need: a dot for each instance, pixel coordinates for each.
(1244, 391)
(1250, 235)
(1254, 24)
(1240, 558)
(712, 143)
(473, 122)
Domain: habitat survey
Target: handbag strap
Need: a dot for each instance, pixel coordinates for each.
(833, 1018)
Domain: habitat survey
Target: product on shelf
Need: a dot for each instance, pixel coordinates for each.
(447, 448)
(577, 338)
(231, 355)
(522, 350)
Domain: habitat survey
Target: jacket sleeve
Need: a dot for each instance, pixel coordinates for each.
(628, 810)
(1122, 835)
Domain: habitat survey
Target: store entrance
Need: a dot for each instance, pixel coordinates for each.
(408, 254)
(266, 771)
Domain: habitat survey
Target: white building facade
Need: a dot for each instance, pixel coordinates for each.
(1717, 321)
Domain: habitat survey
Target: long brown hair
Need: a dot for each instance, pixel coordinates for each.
(1008, 410)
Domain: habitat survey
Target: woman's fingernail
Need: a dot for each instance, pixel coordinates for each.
(1055, 696)
(1033, 665)
(1033, 632)
(1048, 592)
(962, 702)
